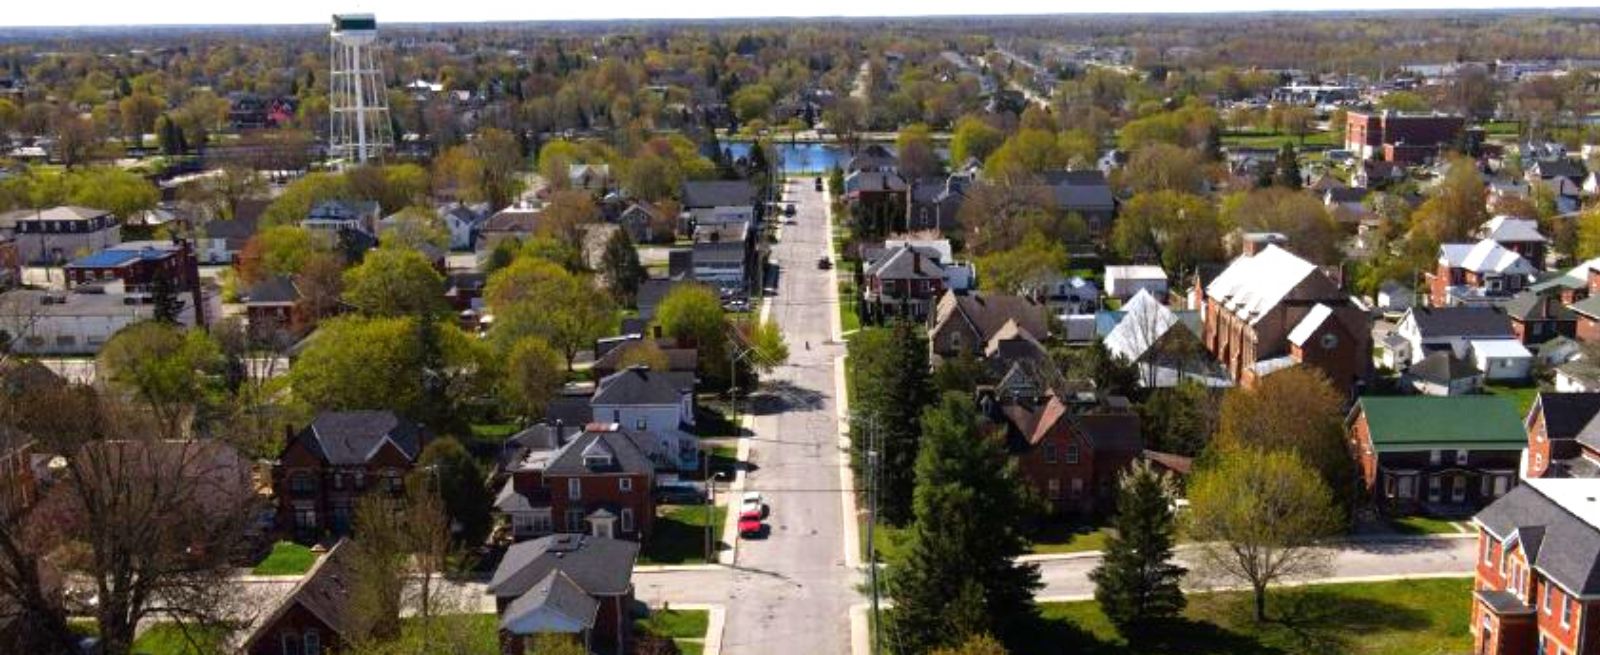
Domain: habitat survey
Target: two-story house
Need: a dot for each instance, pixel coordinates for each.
(658, 403)
(708, 202)
(1519, 235)
(325, 467)
(570, 584)
(1482, 273)
(50, 236)
(1069, 450)
(1536, 586)
(598, 481)
(1537, 317)
(1425, 330)
(1563, 436)
(965, 323)
(338, 216)
(902, 281)
(1441, 455)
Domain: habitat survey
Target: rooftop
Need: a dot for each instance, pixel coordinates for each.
(1410, 423)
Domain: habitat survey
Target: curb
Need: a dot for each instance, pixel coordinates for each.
(1335, 543)
(715, 622)
(678, 568)
(1355, 579)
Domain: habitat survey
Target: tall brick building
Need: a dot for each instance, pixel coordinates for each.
(1398, 137)
(1538, 570)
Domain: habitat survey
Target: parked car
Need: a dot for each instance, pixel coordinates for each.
(788, 210)
(824, 263)
(819, 185)
(749, 527)
(752, 503)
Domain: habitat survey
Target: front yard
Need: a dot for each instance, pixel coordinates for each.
(1521, 394)
(286, 558)
(680, 534)
(1406, 617)
(686, 628)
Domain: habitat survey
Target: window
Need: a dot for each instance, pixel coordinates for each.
(625, 484)
(1434, 487)
(1488, 549)
(641, 425)
(1077, 487)
(1433, 456)
(1566, 612)
(574, 488)
(393, 483)
(313, 643)
(301, 482)
(1049, 453)
(291, 644)
(1406, 486)
(1547, 588)
(1055, 489)
(522, 524)
(1072, 453)
(338, 482)
(574, 520)
(1461, 458)
(627, 520)
(305, 518)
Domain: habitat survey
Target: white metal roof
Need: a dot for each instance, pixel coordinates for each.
(1254, 284)
(1485, 256)
(1500, 348)
(1510, 228)
(1144, 320)
(1308, 325)
(1579, 496)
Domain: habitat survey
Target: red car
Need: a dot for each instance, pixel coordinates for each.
(750, 524)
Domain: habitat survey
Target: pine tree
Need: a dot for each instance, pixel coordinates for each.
(959, 576)
(164, 294)
(623, 272)
(896, 388)
(1288, 174)
(1136, 583)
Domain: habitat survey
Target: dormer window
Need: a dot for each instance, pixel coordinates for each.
(596, 461)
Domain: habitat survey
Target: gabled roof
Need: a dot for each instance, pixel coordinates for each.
(62, 213)
(641, 386)
(1443, 367)
(1144, 322)
(1588, 306)
(987, 313)
(1531, 305)
(1509, 229)
(516, 220)
(1254, 284)
(599, 566)
(1446, 322)
(1556, 521)
(275, 290)
(618, 447)
(1485, 256)
(906, 262)
(324, 592)
(1309, 324)
(353, 437)
(1413, 423)
(1570, 416)
(718, 193)
(555, 604)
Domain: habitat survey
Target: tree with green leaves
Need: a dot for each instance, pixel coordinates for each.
(973, 138)
(1295, 410)
(394, 282)
(1287, 170)
(1136, 582)
(1258, 516)
(1034, 263)
(164, 295)
(693, 313)
(171, 370)
(1180, 419)
(620, 268)
(893, 388)
(281, 250)
(765, 341)
(958, 576)
(447, 469)
(533, 374)
(418, 368)
(564, 310)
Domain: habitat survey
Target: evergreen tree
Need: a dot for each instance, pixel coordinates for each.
(958, 576)
(620, 264)
(1136, 583)
(894, 387)
(164, 294)
(1288, 173)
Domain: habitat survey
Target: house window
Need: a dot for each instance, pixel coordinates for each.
(1072, 453)
(641, 425)
(1547, 588)
(291, 644)
(627, 520)
(305, 518)
(1461, 458)
(302, 483)
(1566, 612)
(1488, 550)
(625, 484)
(1434, 457)
(1406, 484)
(313, 643)
(522, 524)
(1500, 482)
(338, 482)
(1435, 486)
(1049, 453)
(1077, 487)
(393, 483)
(574, 488)
(574, 520)
(1055, 489)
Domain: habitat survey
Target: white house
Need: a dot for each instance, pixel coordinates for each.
(57, 323)
(708, 202)
(654, 402)
(1122, 282)
(1431, 329)
(1501, 359)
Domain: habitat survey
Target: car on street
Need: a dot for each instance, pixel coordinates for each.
(753, 504)
(788, 210)
(819, 184)
(749, 527)
(824, 263)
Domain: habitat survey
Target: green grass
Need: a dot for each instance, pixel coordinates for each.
(1276, 139)
(1523, 394)
(724, 457)
(686, 628)
(1407, 617)
(849, 320)
(890, 541)
(170, 639)
(679, 535)
(1075, 541)
(466, 633)
(495, 432)
(286, 558)
(1501, 128)
(1423, 525)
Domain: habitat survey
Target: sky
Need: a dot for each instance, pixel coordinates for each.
(170, 12)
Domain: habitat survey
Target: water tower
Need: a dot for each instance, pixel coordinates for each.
(360, 127)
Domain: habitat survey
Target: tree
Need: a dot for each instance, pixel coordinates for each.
(533, 376)
(973, 139)
(893, 387)
(1180, 419)
(120, 192)
(169, 369)
(914, 146)
(1588, 239)
(394, 282)
(1287, 174)
(1181, 229)
(1258, 516)
(620, 268)
(1028, 267)
(765, 341)
(164, 295)
(413, 228)
(692, 313)
(414, 367)
(1136, 582)
(1454, 208)
(139, 112)
(378, 565)
(1311, 230)
(958, 576)
(975, 645)
(563, 310)
(449, 470)
(1295, 410)
(1164, 167)
(501, 159)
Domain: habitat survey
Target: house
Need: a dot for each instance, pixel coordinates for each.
(316, 616)
(725, 265)
(880, 197)
(597, 482)
(1482, 273)
(1502, 360)
(52, 235)
(269, 308)
(221, 241)
(339, 216)
(1536, 582)
(1455, 329)
(595, 178)
(719, 201)
(1438, 455)
(902, 280)
(1085, 193)
(1400, 137)
(680, 359)
(1587, 310)
(640, 219)
(1271, 309)
(659, 403)
(1069, 295)
(57, 323)
(1122, 282)
(1519, 235)
(1069, 450)
(325, 467)
(964, 323)
(140, 265)
(509, 224)
(958, 276)
(874, 157)
(1441, 373)
(936, 203)
(1162, 343)
(463, 221)
(1539, 317)
(1579, 374)
(1346, 203)
(1564, 176)
(571, 584)
(1563, 436)
(1394, 297)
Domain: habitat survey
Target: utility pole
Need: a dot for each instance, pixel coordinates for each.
(872, 522)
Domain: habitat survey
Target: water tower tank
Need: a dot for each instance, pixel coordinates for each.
(355, 29)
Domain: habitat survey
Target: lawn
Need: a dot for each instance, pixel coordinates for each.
(686, 628)
(286, 558)
(1522, 395)
(1276, 139)
(1408, 617)
(680, 535)
(849, 320)
(722, 457)
(890, 541)
(1501, 128)
(1423, 525)
(1062, 540)
(170, 639)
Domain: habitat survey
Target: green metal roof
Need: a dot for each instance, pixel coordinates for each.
(1409, 423)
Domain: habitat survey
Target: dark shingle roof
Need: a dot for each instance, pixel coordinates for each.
(1588, 306)
(352, 437)
(273, 290)
(989, 312)
(718, 193)
(1413, 423)
(1568, 547)
(1112, 433)
(324, 592)
(581, 455)
(601, 567)
(642, 386)
(1443, 367)
(902, 262)
(1528, 305)
(555, 593)
(1568, 416)
(1435, 322)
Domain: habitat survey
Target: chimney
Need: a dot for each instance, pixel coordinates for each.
(916, 261)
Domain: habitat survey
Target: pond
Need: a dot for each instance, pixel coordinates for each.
(800, 157)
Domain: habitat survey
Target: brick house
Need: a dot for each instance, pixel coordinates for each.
(1398, 137)
(1535, 578)
(1069, 451)
(269, 308)
(1587, 310)
(598, 482)
(965, 323)
(1539, 317)
(567, 584)
(1435, 454)
(1271, 309)
(1563, 436)
(315, 617)
(904, 280)
(138, 264)
(1482, 273)
(324, 468)
(1519, 235)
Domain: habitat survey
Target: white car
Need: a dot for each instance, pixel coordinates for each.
(752, 501)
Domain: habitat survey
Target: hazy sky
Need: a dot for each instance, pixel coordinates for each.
(128, 12)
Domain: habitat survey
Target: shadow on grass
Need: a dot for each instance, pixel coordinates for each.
(713, 421)
(679, 537)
